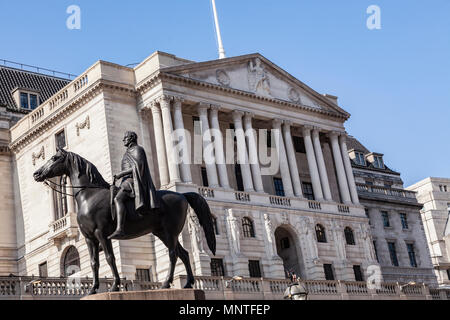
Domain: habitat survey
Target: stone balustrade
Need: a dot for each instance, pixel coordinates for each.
(280, 201)
(206, 192)
(220, 288)
(67, 226)
(384, 191)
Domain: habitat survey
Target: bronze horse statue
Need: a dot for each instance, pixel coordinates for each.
(95, 221)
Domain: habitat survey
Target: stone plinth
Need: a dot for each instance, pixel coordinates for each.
(163, 294)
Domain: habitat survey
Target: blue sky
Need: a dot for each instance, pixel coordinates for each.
(395, 81)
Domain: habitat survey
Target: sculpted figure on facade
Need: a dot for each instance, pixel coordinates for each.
(233, 232)
(306, 230)
(194, 231)
(258, 79)
(339, 240)
(367, 242)
(270, 236)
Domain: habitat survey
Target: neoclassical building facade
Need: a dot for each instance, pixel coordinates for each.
(268, 152)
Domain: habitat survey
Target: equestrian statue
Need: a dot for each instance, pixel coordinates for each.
(133, 209)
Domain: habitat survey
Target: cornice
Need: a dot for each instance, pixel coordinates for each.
(63, 112)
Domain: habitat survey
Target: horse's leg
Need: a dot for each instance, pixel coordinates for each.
(171, 243)
(93, 253)
(184, 256)
(109, 255)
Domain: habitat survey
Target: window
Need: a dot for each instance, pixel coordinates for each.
(197, 125)
(320, 233)
(60, 138)
(205, 177)
(358, 273)
(378, 162)
(143, 275)
(279, 189)
(393, 253)
(29, 101)
(349, 237)
(360, 159)
(217, 269)
(411, 255)
(43, 273)
(247, 227)
(254, 269)
(285, 243)
(24, 100)
(71, 262)
(238, 175)
(215, 226)
(441, 189)
(60, 197)
(445, 188)
(328, 269)
(366, 210)
(299, 144)
(269, 139)
(369, 183)
(308, 191)
(376, 251)
(448, 274)
(404, 220)
(386, 222)
(33, 101)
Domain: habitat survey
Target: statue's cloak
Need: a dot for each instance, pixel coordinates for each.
(144, 190)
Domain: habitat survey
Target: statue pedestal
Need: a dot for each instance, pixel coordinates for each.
(162, 294)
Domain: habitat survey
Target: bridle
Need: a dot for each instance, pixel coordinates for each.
(49, 184)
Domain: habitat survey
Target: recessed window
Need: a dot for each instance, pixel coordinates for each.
(411, 255)
(33, 101)
(445, 188)
(308, 191)
(143, 275)
(254, 269)
(217, 269)
(299, 144)
(328, 270)
(60, 197)
(60, 138)
(366, 210)
(349, 237)
(204, 177)
(320, 234)
(404, 220)
(385, 216)
(378, 162)
(279, 188)
(247, 227)
(358, 273)
(393, 253)
(285, 243)
(238, 175)
(24, 100)
(360, 159)
(376, 250)
(215, 226)
(71, 262)
(43, 272)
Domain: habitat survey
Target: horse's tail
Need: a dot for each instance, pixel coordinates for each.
(205, 218)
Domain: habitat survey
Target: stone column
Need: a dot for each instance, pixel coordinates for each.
(321, 164)
(174, 172)
(292, 160)
(253, 153)
(341, 176)
(160, 145)
(348, 169)
(242, 151)
(312, 164)
(218, 147)
(208, 148)
(184, 159)
(282, 159)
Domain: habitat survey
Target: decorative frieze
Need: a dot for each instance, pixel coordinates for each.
(85, 124)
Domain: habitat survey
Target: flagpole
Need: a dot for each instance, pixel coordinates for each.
(219, 37)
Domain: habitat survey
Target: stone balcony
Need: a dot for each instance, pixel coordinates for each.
(266, 200)
(66, 227)
(383, 193)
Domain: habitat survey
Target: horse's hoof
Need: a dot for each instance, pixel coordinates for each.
(92, 292)
(188, 286)
(166, 285)
(114, 288)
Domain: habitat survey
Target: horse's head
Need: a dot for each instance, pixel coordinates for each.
(54, 167)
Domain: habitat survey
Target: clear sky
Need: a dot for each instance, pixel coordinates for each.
(395, 81)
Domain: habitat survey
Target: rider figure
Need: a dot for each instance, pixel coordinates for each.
(136, 183)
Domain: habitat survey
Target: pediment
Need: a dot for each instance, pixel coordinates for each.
(256, 75)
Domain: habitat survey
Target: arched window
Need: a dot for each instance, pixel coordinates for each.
(349, 238)
(215, 225)
(71, 261)
(247, 227)
(320, 233)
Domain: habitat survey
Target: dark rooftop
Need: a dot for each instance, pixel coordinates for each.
(12, 78)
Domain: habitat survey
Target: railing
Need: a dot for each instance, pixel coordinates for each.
(356, 288)
(398, 193)
(324, 287)
(413, 290)
(246, 285)
(208, 283)
(242, 196)
(315, 205)
(280, 201)
(67, 226)
(435, 294)
(206, 192)
(26, 67)
(387, 289)
(343, 208)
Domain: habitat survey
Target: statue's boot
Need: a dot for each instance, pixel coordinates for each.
(119, 233)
